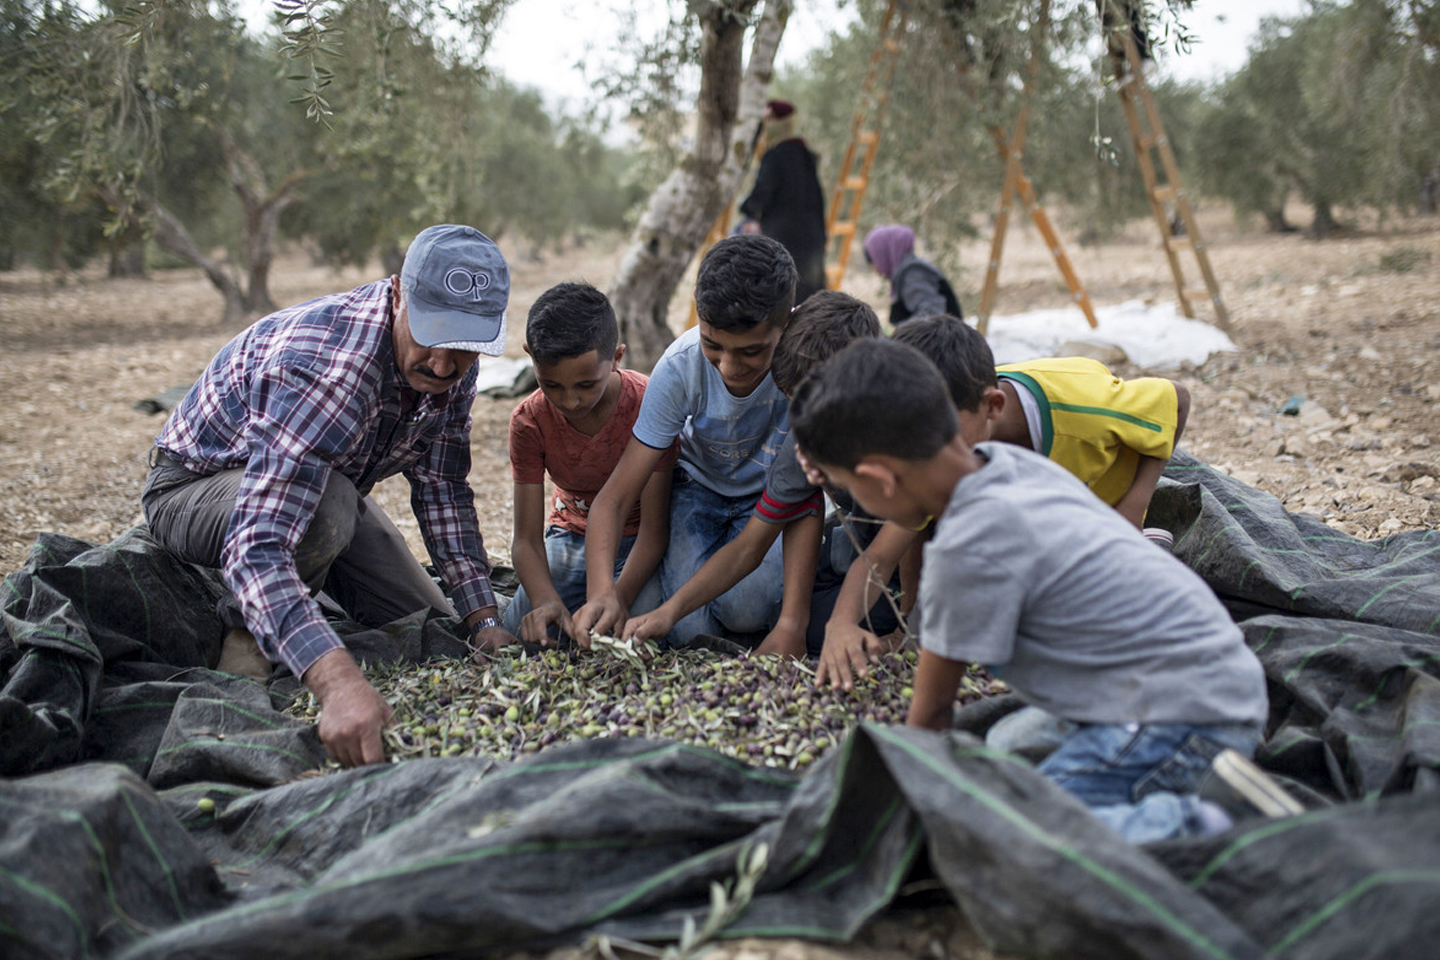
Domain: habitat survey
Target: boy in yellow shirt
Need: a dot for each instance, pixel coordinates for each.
(1114, 435)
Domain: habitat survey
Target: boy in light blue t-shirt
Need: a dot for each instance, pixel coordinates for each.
(713, 390)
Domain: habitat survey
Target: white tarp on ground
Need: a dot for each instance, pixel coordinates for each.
(1153, 336)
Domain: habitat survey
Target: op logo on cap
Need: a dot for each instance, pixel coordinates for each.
(466, 283)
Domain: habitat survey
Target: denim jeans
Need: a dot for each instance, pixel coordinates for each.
(565, 554)
(1143, 780)
(701, 522)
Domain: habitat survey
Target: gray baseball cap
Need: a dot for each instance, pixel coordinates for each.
(456, 284)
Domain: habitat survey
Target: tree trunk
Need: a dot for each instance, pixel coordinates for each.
(1324, 222)
(1430, 190)
(127, 261)
(683, 207)
(171, 236)
(262, 216)
(1275, 221)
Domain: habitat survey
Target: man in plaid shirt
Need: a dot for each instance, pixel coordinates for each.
(265, 468)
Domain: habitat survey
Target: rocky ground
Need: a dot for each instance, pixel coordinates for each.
(1343, 332)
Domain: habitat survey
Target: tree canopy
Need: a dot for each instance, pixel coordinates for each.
(351, 124)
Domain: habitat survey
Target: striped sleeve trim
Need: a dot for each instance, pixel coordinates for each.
(773, 511)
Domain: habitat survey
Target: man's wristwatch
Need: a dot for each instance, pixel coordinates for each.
(484, 623)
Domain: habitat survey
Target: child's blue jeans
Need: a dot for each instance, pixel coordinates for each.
(565, 553)
(1143, 780)
(701, 522)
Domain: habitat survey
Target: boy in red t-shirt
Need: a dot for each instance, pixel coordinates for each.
(574, 428)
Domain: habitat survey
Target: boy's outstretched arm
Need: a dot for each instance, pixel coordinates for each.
(650, 540)
(604, 611)
(527, 553)
(725, 568)
(850, 648)
(801, 546)
(937, 679)
(1136, 501)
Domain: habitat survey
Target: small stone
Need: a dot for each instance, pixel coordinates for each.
(1391, 526)
(1311, 413)
(1370, 353)
(1422, 485)
(1420, 441)
(1359, 442)
(1401, 472)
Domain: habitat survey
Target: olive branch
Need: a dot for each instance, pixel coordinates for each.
(728, 901)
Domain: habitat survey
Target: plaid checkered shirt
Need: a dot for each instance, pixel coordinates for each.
(304, 391)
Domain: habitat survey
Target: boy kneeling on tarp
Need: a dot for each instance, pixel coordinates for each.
(1033, 576)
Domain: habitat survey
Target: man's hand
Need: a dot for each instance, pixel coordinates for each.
(604, 615)
(848, 653)
(535, 626)
(655, 625)
(352, 713)
(487, 639)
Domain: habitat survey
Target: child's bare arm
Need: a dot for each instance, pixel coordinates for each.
(604, 611)
(725, 568)
(1136, 501)
(849, 648)
(937, 679)
(650, 540)
(801, 546)
(527, 553)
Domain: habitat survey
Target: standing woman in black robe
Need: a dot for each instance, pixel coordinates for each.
(786, 200)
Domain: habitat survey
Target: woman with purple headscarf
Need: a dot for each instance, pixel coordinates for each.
(917, 287)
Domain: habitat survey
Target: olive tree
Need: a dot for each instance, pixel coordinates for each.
(681, 210)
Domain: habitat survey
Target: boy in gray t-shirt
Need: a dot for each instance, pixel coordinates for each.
(1031, 575)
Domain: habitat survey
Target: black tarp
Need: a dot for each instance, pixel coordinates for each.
(109, 853)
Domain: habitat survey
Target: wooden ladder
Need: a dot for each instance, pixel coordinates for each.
(1162, 185)
(1012, 151)
(853, 178)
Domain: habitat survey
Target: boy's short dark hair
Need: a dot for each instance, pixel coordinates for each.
(819, 327)
(568, 320)
(959, 350)
(743, 281)
(871, 398)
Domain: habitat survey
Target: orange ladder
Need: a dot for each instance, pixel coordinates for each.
(1147, 134)
(853, 178)
(1012, 151)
